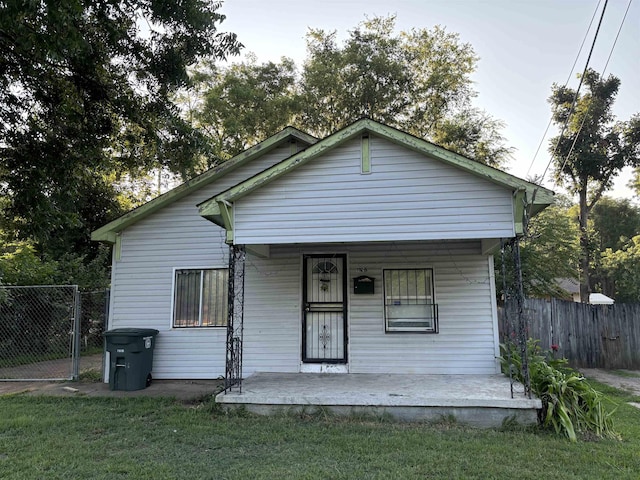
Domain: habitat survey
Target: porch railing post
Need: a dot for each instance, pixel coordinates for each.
(235, 318)
(515, 320)
(520, 315)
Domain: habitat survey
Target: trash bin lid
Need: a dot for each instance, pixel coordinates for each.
(131, 332)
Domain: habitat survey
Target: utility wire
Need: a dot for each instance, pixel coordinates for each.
(586, 34)
(575, 97)
(617, 35)
(584, 119)
(573, 104)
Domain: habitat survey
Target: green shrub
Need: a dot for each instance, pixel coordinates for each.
(22, 264)
(569, 404)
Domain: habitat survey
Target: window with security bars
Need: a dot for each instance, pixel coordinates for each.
(409, 304)
(200, 298)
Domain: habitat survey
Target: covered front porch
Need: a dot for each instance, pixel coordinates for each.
(478, 400)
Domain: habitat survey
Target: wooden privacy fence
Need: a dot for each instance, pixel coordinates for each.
(589, 336)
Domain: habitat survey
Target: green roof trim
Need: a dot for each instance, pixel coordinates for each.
(537, 197)
(365, 163)
(519, 200)
(109, 232)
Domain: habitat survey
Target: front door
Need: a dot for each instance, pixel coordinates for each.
(324, 309)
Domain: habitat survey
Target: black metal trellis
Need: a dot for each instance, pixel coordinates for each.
(516, 322)
(235, 318)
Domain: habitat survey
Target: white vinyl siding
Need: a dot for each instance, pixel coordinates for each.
(272, 312)
(407, 196)
(141, 289)
(273, 308)
(463, 285)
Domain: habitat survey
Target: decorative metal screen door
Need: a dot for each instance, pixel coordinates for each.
(324, 316)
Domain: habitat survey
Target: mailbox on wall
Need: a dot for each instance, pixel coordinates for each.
(363, 285)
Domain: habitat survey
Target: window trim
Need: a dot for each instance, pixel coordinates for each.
(435, 329)
(172, 326)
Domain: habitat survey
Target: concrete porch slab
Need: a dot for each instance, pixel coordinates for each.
(483, 400)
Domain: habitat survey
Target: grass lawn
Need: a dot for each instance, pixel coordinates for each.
(51, 437)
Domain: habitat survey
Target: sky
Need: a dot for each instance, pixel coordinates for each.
(524, 47)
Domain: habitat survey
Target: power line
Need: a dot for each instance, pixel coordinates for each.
(584, 119)
(617, 35)
(586, 34)
(575, 97)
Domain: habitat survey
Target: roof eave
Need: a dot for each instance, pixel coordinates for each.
(541, 195)
(107, 233)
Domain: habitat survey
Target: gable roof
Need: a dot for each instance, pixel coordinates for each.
(108, 232)
(218, 208)
(569, 285)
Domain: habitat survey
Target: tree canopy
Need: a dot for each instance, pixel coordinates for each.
(550, 251)
(634, 183)
(243, 104)
(85, 94)
(593, 150)
(615, 221)
(98, 98)
(418, 81)
(623, 268)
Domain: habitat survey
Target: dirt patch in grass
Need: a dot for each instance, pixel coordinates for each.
(628, 380)
(50, 369)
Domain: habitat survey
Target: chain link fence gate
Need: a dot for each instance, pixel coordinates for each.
(94, 311)
(39, 333)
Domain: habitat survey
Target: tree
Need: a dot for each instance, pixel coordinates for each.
(418, 81)
(21, 264)
(366, 78)
(244, 103)
(475, 134)
(550, 251)
(616, 221)
(634, 183)
(85, 92)
(623, 268)
(592, 151)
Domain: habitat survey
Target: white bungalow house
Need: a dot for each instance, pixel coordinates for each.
(366, 252)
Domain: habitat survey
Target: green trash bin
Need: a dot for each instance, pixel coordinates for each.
(131, 357)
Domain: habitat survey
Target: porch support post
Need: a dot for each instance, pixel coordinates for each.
(235, 318)
(522, 321)
(515, 325)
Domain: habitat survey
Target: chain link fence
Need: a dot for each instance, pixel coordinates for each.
(94, 312)
(46, 332)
